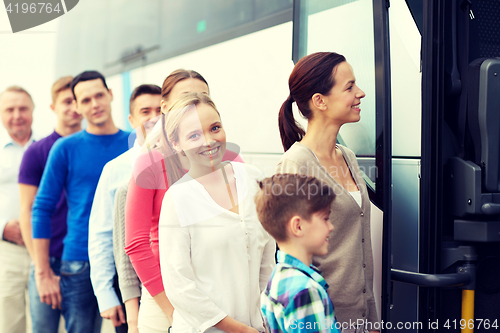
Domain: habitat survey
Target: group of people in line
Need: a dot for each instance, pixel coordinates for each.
(167, 229)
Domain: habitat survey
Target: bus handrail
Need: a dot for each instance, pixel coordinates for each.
(431, 280)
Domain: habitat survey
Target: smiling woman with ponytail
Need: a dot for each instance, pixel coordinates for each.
(324, 88)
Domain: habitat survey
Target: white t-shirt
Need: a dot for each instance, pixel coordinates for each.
(356, 195)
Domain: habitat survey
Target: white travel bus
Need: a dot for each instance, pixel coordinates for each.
(434, 243)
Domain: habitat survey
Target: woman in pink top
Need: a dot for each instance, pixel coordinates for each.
(144, 199)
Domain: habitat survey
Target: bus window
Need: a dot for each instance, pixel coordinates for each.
(346, 27)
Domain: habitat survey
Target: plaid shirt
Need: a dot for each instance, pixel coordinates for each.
(295, 299)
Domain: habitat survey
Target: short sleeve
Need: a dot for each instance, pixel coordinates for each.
(31, 169)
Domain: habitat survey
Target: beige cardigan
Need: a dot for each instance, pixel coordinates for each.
(348, 266)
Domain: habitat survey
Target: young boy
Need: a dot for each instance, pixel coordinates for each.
(295, 210)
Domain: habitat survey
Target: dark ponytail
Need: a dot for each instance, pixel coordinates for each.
(290, 129)
(312, 74)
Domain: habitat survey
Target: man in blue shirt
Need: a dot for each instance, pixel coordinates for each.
(144, 112)
(74, 165)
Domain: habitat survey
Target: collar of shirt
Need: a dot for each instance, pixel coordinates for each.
(7, 140)
(311, 271)
(135, 151)
(191, 190)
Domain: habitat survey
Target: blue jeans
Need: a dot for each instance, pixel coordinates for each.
(79, 305)
(44, 319)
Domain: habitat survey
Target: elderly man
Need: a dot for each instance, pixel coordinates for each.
(16, 111)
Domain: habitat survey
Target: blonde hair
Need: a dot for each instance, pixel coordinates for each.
(60, 85)
(170, 131)
(155, 137)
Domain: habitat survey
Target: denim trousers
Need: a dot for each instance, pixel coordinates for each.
(79, 305)
(44, 319)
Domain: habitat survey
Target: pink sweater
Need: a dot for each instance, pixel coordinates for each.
(144, 199)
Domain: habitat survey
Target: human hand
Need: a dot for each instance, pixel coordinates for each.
(165, 305)
(115, 314)
(48, 288)
(12, 232)
(132, 310)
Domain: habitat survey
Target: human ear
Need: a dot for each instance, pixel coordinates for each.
(318, 101)
(164, 105)
(295, 226)
(176, 146)
(53, 107)
(131, 120)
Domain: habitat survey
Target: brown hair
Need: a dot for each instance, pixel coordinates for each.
(312, 74)
(60, 85)
(168, 84)
(283, 196)
(177, 76)
(170, 126)
(18, 89)
(173, 163)
(159, 141)
(87, 76)
(143, 89)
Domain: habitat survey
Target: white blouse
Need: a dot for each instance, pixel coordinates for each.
(356, 195)
(214, 262)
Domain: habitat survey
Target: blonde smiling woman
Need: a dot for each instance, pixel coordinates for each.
(215, 257)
